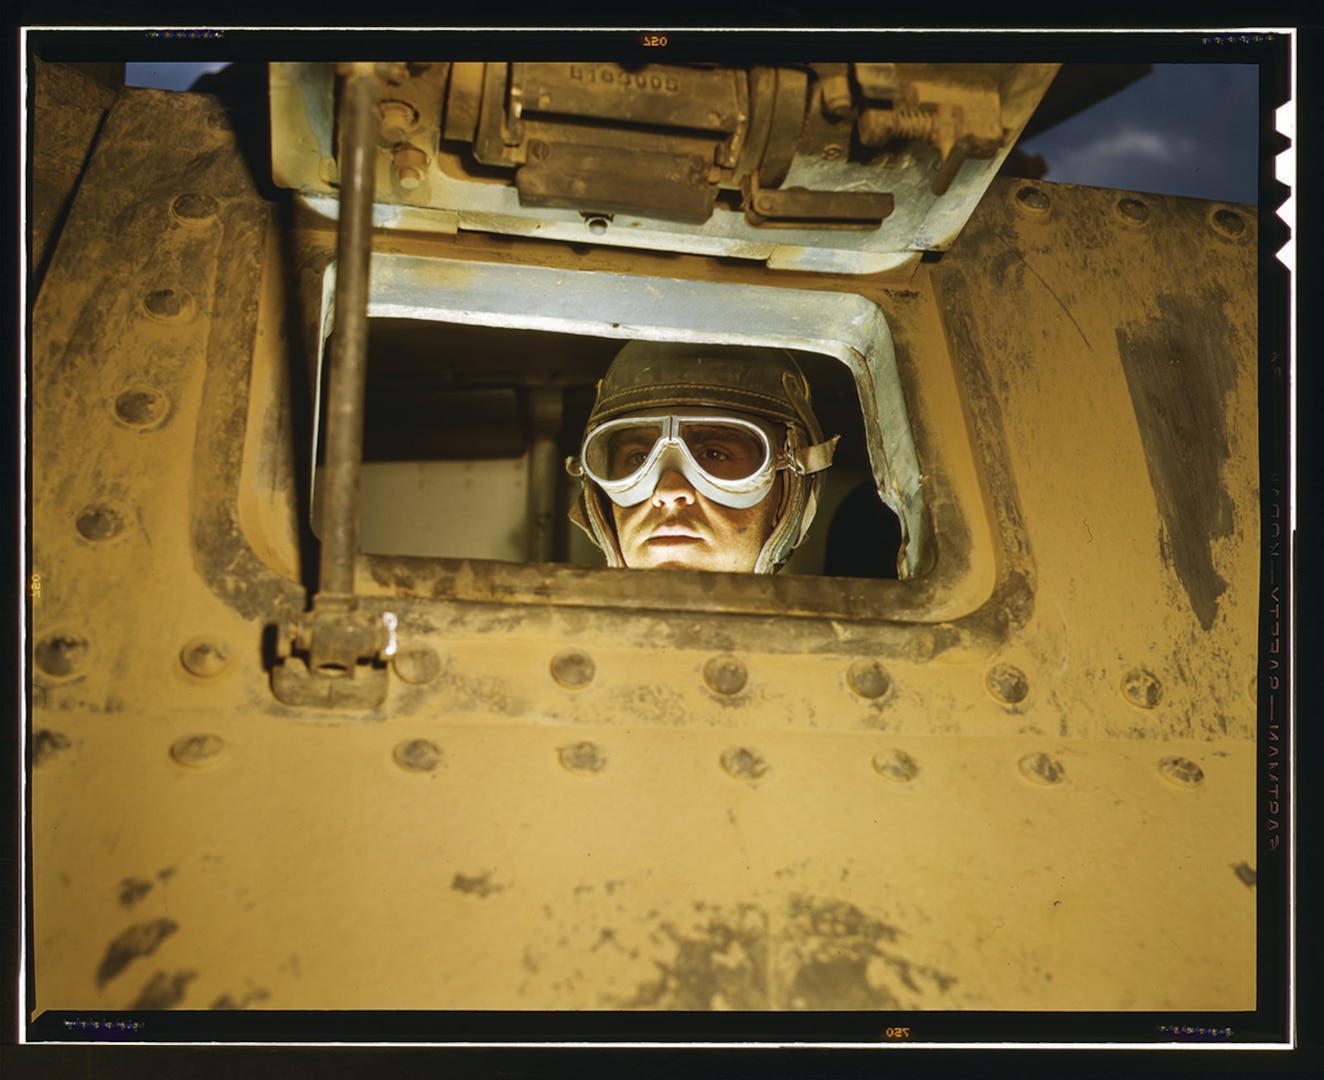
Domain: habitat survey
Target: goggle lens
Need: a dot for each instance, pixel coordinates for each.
(725, 451)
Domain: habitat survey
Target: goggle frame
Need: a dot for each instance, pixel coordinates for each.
(670, 452)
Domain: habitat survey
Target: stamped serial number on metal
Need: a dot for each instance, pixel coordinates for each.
(626, 80)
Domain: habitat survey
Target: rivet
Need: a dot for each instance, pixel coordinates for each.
(417, 755)
(168, 305)
(1182, 772)
(574, 670)
(725, 675)
(1042, 769)
(142, 407)
(410, 166)
(1132, 211)
(832, 152)
(597, 226)
(1229, 222)
(194, 208)
(582, 757)
(417, 664)
(1034, 200)
(744, 763)
(62, 654)
(1141, 688)
(99, 523)
(398, 119)
(868, 678)
(48, 745)
(219, 122)
(896, 765)
(539, 150)
(206, 657)
(197, 751)
(1007, 684)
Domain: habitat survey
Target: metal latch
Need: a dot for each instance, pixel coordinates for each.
(799, 208)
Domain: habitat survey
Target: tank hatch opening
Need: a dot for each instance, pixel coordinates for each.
(467, 429)
(480, 380)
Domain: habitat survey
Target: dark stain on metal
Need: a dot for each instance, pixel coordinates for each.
(47, 745)
(98, 523)
(744, 763)
(1066, 310)
(896, 765)
(1042, 768)
(1181, 771)
(1007, 683)
(467, 693)
(132, 890)
(719, 963)
(226, 1002)
(606, 936)
(61, 654)
(1180, 367)
(141, 939)
(1245, 873)
(835, 956)
(164, 991)
(651, 703)
(480, 885)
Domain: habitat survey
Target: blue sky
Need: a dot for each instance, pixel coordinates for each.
(1184, 129)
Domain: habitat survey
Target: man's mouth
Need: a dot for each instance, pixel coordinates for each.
(674, 534)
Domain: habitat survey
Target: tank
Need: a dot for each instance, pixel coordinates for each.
(332, 709)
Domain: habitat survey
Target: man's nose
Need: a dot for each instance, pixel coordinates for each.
(673, 489)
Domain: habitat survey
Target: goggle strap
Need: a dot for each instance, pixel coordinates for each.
(816, 458)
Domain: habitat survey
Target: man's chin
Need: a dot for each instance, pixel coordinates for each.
(675, 557)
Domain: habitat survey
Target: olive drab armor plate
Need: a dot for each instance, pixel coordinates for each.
(1023, 780)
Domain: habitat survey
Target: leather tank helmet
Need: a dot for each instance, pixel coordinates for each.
(758, 384)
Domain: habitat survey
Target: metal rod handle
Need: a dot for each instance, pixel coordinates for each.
(359, 107)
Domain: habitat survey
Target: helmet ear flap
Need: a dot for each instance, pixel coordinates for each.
(590, 514)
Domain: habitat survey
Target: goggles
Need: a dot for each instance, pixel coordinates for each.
(731, 460)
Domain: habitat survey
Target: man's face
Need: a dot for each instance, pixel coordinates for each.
(678, 528)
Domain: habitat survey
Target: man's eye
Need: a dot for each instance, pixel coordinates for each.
(713, 453)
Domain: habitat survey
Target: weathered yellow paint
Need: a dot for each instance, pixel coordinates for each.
(609, 830)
